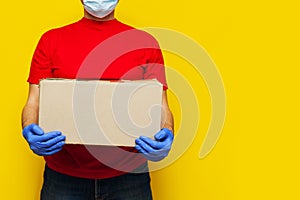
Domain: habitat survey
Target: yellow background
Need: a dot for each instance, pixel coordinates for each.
(255, 45)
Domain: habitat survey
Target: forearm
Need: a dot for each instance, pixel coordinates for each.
(168, 120)
(31, 109)
(167, 116)
(29, 115)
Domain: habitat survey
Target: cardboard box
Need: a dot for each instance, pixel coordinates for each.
(97, 112)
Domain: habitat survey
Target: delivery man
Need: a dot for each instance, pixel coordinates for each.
(71, 171)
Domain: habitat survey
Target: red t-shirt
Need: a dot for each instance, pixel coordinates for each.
(90, 49)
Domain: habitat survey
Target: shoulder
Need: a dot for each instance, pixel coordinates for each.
(138, 35)
(59, 30)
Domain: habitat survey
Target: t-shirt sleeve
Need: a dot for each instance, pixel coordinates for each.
(41, 61)
(155, 68)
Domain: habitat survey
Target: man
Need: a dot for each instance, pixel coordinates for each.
(72, 172)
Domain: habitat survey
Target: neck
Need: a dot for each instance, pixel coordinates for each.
(111, 16)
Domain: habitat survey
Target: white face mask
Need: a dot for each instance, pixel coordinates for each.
(100, 8)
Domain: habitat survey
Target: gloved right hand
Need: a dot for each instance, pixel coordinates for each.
(43, 144)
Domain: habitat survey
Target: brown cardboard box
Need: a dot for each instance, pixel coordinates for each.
(100, 112)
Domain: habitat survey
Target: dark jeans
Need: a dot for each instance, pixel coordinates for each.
(131, 186)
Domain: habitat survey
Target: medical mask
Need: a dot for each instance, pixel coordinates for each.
(100, 8)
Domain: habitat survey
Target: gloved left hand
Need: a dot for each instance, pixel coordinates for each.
(158, 149)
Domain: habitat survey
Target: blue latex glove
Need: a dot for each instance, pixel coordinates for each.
(158, 149)
(43, 144)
